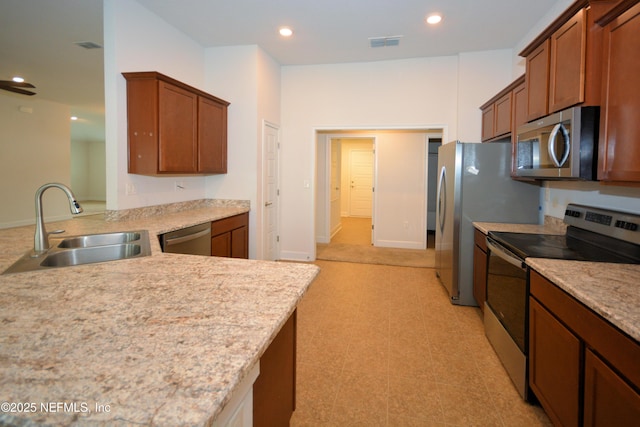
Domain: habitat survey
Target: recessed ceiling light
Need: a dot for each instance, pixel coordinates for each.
(434, 19)
(285, 32)
(74, 118)
(18, 79)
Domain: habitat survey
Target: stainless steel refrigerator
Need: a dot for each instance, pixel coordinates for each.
(474, 184)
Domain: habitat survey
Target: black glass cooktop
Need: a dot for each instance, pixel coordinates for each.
(578, 245)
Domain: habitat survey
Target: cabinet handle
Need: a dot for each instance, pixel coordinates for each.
(268, 204)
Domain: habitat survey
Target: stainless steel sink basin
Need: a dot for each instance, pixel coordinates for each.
(86, 249)
(90, 240)
(90, 255)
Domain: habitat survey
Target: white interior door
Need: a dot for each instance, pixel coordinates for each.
(270, 192)
(361, 183)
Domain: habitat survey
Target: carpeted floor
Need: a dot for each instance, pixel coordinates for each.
(353, 244)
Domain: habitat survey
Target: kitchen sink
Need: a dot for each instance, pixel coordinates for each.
(86, 249)
(90, 255)
(103, 239)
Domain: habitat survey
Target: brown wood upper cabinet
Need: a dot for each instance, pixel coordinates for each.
(619, 144)
(563, 64)
(498, 113)
(174, 128)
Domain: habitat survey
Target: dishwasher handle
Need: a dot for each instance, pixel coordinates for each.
(177, 240)
(505, 254)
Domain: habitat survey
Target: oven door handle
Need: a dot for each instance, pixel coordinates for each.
(505, 254)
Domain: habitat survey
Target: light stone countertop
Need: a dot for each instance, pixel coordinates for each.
(159, 340)
(611, 290)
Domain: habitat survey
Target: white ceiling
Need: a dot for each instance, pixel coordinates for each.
(37, 36)
(333, 31)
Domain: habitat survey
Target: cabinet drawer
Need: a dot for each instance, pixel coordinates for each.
(227, 224)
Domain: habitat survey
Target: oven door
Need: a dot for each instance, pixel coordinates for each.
(507, 290)
(506, 310)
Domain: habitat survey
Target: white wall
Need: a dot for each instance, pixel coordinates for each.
(481, 76)
(250, 80)
(34, 149)
(88, 173)
(414, 93)
(400, 214)
(136, 39)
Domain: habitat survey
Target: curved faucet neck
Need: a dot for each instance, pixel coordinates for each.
(41, 237)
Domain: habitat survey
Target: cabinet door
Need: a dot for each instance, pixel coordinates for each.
(221, 245)
(619, 146)
(178, 110)
(537, 80)
(212, 136)
(274, 392)
(142, 124)
(502, 112)
(554, 366)
(519, 107)
(488, 118)
(568, 63)
(239, 243)
(608, 399)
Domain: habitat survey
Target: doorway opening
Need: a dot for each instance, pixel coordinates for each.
(377, 180)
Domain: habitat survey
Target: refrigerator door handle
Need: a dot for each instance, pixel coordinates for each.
(442, 197)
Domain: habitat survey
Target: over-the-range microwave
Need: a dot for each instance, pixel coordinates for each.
(563, 145)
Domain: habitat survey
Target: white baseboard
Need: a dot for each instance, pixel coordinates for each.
(296, 256)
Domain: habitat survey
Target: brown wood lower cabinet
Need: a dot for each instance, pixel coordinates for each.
(608, 399)
(554, 368)
(230, 237)
(274, 392)
(583, 369)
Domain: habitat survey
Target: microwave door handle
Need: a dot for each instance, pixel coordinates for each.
(553, 141)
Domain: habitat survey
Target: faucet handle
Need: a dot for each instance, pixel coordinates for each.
(55, 232)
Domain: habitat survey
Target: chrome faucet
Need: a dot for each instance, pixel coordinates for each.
(41, 238)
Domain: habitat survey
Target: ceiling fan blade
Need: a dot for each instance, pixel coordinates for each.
(16, 90)
(11, 83)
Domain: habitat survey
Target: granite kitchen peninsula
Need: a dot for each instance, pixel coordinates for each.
(165, 339)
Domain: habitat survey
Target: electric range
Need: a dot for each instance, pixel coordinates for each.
(593, 234)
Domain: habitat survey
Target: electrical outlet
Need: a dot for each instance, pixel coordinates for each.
(130, 189)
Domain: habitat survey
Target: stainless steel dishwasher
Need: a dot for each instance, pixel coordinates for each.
(195, 240)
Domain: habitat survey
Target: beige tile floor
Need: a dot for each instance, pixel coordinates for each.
(382, 346)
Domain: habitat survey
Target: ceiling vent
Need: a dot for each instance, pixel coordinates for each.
(88, 45)
(384, 41)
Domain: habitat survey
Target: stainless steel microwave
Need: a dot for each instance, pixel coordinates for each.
(563, 145)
